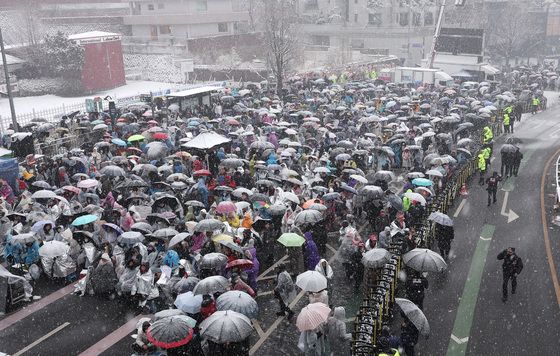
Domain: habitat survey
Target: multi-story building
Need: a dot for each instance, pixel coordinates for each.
(161, 20)
(403, 28)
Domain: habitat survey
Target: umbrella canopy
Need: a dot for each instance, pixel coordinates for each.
(226, 326)
(415, 315)
(240, 263)
(508, 148)
(43, 194)
(226, 207)
(312, 316)
(113, 171)
(434, 173)
(240, 302)
(424, 260)
(188, 302)
(206, 140)
(185, 285)
(311, 281)
(84, 220)
(24, 238)
(290, 239)
(213, 260)
(440, 218)
(170, 332)
(211, 285)
(376, 258)
(416, 197)
(308, 217)
(178, 239)
(422, 182)
(88, 183)
(135, 138)
(53, 249)
(131, 237)
(208, 225)
(386, 176)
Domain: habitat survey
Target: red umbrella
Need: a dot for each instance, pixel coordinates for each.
(233, 122)
(310, 202)
(241, 263)
(202, 172)
(160, 136)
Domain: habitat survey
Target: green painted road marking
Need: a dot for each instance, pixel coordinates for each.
(509, 184)
(465, 312)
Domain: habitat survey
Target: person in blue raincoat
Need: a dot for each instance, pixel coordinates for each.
(202, 191)
(30, 253)
(272, 159)
(171, 259)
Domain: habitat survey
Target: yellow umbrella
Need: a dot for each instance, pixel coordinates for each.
(222, 237)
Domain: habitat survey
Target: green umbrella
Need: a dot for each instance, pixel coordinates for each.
(290, 239)
(135, 138)
(84, 220)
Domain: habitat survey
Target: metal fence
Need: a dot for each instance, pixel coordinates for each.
(55, 113)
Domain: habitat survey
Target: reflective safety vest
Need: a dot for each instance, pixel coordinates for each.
(395, 353)
(486, 153)
(508, 109)
(488, 135)
(481, 162)
(536, 101)
(506, 119)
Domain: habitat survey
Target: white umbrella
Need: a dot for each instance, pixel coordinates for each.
(53, 249)
(206, 140)
(178, 238)
(188, 302)
(290, 197)
(416, 197)
(226, 326)
(311, 281)
(440, 218)
(359, 178)
(308, 217)
(424, 260)
(43, 194)
(434, 173)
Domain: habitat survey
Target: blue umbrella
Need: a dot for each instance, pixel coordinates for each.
(84, 220)
(118, 142)
(422, 182)
(113, 227)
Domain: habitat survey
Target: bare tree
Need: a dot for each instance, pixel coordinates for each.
(279, 31)
(513, 32)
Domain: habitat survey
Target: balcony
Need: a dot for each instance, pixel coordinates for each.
(186, 19)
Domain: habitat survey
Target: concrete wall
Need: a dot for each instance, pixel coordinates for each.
(183, 6)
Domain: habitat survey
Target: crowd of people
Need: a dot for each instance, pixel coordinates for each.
(179, 215)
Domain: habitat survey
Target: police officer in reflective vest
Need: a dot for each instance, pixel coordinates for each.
(535, 105)
(481, 167)
(487, 136)
(385, 349)
(508, 127)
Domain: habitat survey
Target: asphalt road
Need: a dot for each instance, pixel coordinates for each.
(466, 300)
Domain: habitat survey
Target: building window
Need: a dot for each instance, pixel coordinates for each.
(151, 7)
(357, 43)
(319, 40)
(374, 19)
(165, 30)
(428, 18)
(223, 27)
(153, 32)
(161, 6)
(403, 19)
(416, 19)
(201, 5)
(355, 17)
(311, 5)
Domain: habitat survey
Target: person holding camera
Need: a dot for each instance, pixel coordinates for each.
(512, 266)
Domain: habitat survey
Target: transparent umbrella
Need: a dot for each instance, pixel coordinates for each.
(226, 326)
(376, 258)
(415, 315)
(211, 285)
(240, 302)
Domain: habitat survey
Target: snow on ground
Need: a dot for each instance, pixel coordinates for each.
(26, 105)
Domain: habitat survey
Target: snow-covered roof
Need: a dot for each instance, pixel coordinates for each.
(13, 60)
(92, 34)
(194, 91)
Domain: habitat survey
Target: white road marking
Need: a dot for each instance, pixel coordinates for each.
(459, 208)
(41, 339)
(459, 340)
(271, 268)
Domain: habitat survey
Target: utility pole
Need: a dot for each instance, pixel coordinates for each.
(436, 35)
(8, 85)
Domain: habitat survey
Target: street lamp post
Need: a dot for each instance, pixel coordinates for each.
(8, 86)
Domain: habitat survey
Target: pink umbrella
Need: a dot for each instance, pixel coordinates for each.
(71, 188)
(312, 316)
(226, 207)
(88, 183)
